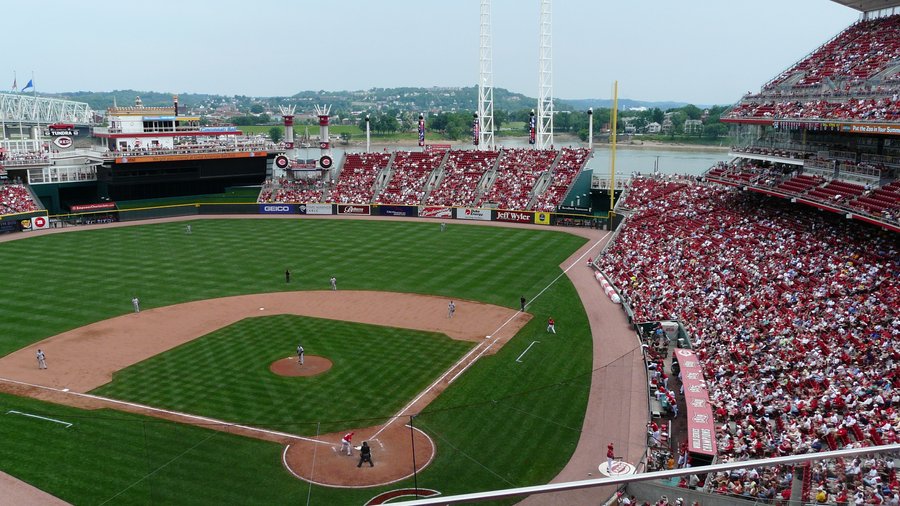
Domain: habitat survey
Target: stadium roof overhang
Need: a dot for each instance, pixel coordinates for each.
(868, 5)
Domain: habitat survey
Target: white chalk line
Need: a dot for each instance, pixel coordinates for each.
(168, 412)
(526, 351)
(486, 348)
(14, 412)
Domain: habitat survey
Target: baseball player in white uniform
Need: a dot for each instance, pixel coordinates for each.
(136, 303)
(300, 354)
(42, 359)
(333, 283)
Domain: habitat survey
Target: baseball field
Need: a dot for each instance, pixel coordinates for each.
(142, 408)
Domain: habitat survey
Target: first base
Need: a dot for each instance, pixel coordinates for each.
(487, 337)
(261, 308)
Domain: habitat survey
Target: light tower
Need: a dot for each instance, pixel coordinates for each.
(325, 160)
(287, 113)
(545, 73)
(485, 118)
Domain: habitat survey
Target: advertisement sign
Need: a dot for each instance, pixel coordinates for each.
(357, 209)
(474, 214)
(188, 156)
(435, 212)
(542, 218)
(39, 222)
(514, 216)
(881, 129)
(63, 142)
(573, 209)
(9, 226)
(277, 209)
(701, 425)
(397, 210)
(102, 206)
(318, 209)
(56, 132)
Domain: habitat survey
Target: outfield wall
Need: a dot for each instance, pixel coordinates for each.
(319, 209)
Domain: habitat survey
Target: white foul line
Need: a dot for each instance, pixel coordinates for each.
(67, 424)
(207, 420)
(526, 351)
(486, 348)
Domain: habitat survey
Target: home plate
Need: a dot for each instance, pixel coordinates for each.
(358, 448)
(261, 308)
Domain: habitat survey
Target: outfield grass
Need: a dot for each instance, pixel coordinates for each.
(225, 375)
(502, 423)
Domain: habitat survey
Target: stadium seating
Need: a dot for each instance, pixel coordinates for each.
(15, 198)
(570, 163)
(517, 173)
(793, 313)
(355, 185)
(857, 53)
(286, 191)
(462, 173)
(408, 177)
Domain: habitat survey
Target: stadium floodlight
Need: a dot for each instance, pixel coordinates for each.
(545, 77)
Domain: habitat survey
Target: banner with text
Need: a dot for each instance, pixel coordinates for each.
(314, 209)
(353, 209)
(514, 216)
(277, 209)
(701, 425)
(398, 210)
(474, 214)
(435, 212)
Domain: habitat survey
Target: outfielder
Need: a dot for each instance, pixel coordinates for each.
(136, 302)
(333, 283)
(551, 325)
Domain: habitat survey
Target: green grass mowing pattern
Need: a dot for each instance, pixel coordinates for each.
(225, 374)
(524, 428)
(129, 459)
(68, 280)
(479, 448)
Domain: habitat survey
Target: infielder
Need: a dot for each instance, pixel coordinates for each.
(42, 359)
(451, 308)
(300, 354)
(345, 443)
(136, 303)
(333, 283)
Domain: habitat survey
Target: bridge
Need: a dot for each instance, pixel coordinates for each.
(31, 110)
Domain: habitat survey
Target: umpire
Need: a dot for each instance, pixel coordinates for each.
(365, 455)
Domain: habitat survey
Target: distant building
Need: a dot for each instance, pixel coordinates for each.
(693, 126)
(654, 128)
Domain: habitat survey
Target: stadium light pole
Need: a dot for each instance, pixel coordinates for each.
(368, 139)
(590, 128)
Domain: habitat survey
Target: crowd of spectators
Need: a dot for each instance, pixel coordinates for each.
(864, 109)
(793, 314)
(571, 161)
(859, 52)
(10, 158)
(518, 171)
(356, 183)
(463, 171)
(217, 146)
(293, 191)
(409, 174)
(15, 198)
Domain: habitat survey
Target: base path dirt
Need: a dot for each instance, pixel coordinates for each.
(15, 491)
(86, 358)
(618, 385)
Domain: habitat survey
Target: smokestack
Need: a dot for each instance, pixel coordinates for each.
(175, 99)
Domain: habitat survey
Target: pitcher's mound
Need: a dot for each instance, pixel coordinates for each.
(312, 365)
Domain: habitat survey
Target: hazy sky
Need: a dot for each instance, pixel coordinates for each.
(701, 51)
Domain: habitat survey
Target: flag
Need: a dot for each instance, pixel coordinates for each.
(29, 85)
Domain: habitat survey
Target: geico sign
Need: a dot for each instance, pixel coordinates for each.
(278, 209)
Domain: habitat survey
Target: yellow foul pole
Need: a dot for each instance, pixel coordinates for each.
(612, 153)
